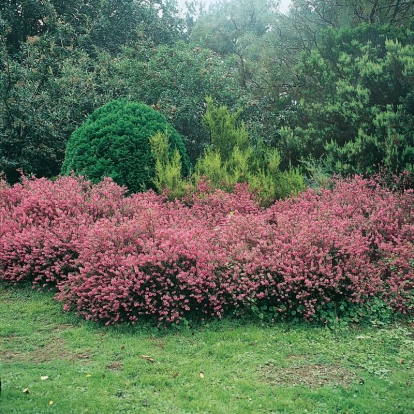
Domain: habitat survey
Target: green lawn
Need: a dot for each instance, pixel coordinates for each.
(52, 362)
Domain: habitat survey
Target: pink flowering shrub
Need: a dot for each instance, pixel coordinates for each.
(352, 243)
(115, 258)
(43, 222)
(167, 260)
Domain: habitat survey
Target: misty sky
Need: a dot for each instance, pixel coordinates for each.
(284, 4)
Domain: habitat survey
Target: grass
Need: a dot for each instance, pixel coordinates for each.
(52, 362)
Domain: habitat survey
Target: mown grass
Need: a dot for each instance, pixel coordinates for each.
(52, 362)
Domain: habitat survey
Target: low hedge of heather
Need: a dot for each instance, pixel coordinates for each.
(43, 223)
(114, 258)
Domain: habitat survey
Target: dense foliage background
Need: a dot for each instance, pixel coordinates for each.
(330, 83)
(265, 104)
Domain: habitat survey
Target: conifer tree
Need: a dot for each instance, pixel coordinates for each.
(115, 142)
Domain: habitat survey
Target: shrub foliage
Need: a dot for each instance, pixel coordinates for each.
(230, 159)
(356, 108)
(114, 142)
(117, 259)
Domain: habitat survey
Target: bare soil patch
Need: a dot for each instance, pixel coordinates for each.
(300, 373)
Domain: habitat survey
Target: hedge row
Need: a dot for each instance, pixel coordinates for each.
(114, 258)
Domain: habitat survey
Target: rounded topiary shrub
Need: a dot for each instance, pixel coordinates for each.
(114, 142)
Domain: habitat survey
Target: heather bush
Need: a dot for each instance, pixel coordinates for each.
(167, 260)
(43, 221)
(299, 258)
(343, 252)
(358, 237)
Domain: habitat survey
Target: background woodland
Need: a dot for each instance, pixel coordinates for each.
(329, 85)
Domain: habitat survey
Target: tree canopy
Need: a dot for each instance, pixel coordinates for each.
(355, 101)
(330, 80)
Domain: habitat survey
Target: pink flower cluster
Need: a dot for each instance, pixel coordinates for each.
(43, 224)
(115, 258)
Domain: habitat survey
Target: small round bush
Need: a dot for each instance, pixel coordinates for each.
(114, 142)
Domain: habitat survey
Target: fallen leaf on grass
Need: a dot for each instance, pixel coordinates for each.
(26, 391)
(50, 402)
(88, 375)
(44, 377)
(176, 375)
(202, 375)
(148, 358)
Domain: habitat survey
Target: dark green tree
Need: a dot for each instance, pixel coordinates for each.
(175, 80)
(237, 28)
(103, 24)
(115, 142)
(43, 98)
(301, 30)
(355, 101)
(56, 60)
